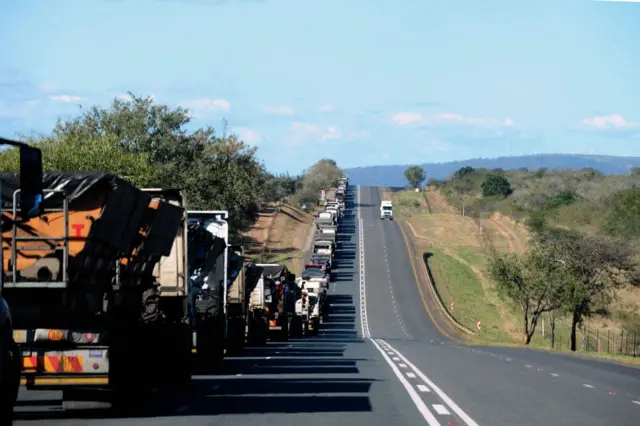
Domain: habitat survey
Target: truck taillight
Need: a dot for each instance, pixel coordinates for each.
(89, 336)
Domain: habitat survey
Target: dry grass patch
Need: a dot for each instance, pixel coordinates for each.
(289, 237)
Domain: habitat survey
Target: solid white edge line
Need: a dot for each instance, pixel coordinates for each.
(464, 416)
(422, 407)
(364, 323)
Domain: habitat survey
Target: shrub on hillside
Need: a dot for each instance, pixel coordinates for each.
(623, 214)
(496, 185)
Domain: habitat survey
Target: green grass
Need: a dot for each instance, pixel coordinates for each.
(457, 282)
(472, 257)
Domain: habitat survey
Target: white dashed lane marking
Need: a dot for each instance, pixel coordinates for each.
(443, 405)
(423, 388)
(441, 409)
(585, 385)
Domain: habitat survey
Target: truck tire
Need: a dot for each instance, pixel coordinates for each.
(235, 336)
(177, 356)
(258, 331)
(10, 384)
(316, 326)
(296, 327)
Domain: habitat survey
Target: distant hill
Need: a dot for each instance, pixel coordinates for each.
(394, 175)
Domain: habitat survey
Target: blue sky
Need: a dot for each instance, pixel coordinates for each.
(362, 81)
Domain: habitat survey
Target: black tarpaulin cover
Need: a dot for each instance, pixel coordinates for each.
(122, 210)
(252, 276)
(275, 271)
(75, 184)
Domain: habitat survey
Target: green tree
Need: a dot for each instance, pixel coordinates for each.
(463, 172)
(415, 176)
(149, 145)
(563, 198)
(533, 281)
(496, 185)
(324, 174)
(73, 153)
(623, 214)
(596, 266)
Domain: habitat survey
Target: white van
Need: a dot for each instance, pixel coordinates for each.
(386, 210)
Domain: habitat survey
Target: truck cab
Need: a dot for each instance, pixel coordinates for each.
(386, 210)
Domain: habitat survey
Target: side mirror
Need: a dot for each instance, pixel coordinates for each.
(31, 191)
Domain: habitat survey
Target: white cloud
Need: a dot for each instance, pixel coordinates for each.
(303, 132)
(48, 86)
(609, 122)
(277, 110)
(359, 134)
(249, 136)
(406, 118)
(205, 105)
(326, 108)
(66, 98)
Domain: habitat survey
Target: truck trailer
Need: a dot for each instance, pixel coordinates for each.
(207, 248)
(97, 287)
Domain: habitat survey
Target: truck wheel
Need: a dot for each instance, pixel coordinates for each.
(235, 338)
(296, 327)
(10, 385)
(284, 333)
(262, 331)
(316, 326)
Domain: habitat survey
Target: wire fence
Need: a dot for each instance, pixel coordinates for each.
(591, 339)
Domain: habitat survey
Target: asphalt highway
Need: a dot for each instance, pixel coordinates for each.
(385, 357)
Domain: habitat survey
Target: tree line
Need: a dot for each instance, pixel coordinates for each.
(149, 145)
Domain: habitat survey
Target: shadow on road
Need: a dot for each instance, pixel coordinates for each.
(308, 375)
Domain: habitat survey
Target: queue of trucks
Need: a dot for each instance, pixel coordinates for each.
(116, 290)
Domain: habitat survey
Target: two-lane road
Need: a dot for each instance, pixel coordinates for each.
(383, 358)
(492, 386)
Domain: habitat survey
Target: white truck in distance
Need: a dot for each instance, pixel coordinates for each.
(386, 210)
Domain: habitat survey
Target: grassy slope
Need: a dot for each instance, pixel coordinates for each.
(458, 264)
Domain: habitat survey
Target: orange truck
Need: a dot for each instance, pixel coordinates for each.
(97, 287)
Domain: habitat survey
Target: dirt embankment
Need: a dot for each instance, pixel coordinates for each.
(280, 236)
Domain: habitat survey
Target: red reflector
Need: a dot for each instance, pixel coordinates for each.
(95, 366)
(89, 336)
